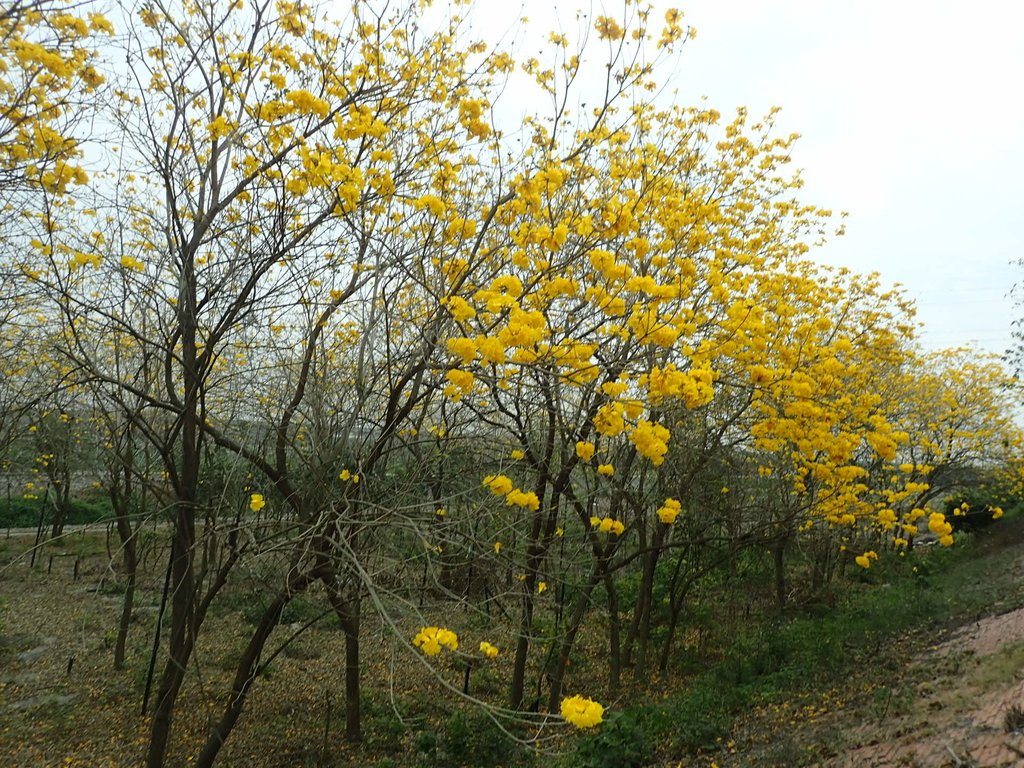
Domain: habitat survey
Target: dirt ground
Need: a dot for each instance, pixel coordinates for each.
(977, 722)
(957, 703)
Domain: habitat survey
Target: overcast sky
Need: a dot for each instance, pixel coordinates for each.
(912, 121)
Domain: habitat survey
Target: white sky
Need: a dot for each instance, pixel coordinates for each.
(912, 120)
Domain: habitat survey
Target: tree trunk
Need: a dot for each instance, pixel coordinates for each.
(248, 669)
(131, 566)
(347, 607)
(353, 712)
(181, 642)
(640, 627)
(127, 607)
(186, 487)
(61, 502)
(522, 649)
(677, 601)
(614, 650)
(579, 610)
(778, 560)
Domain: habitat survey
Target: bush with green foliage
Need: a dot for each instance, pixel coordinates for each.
(24, 513)
(620, 742)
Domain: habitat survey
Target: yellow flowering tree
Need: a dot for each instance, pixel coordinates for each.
(256, 219)
(301, 198)
(439, 358)
(819, 417)
(957, 408)
(603, 323)
(23, 382)
(47, 66)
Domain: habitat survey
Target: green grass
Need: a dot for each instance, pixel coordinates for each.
(899, 601)
(857, 639)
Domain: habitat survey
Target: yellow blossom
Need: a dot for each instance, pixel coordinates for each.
(432, 639)
(581, 712)
(651, 441)
(463, 348)
(459, 308)
(669, 511)
(607, 525)
(937, 524)
(519, 498)
(460, 383)
(488, 650)
(491, 349)
(499, 485)
(585, 450)
(864, 560)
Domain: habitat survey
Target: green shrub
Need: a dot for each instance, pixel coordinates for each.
(24, 513)
(384, 733)
(474, 739)
(620, 742)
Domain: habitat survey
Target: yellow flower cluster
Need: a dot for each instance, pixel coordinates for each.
(507, 285)
(651, 441)
(470, 111)
(608, 29)
(431, 640)
(79, 260)
(488, 650)
(501, 485)
(256, 502)
(608, 420)
(581, 712)
(464, 348)
(459, 308)
(524, 329)
(669, 511)
(650, 328)
(937, 524)
(491, 350)
(693, 387)
(518, 498)
(887, 519)
(864, 561)
(459, 383)
(308, 104)
(607, 525)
